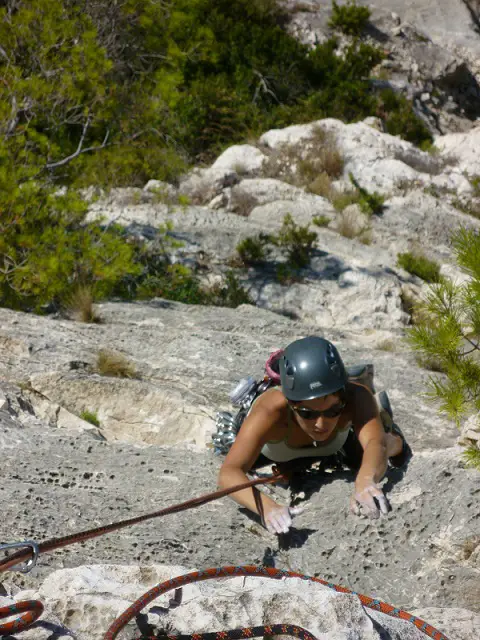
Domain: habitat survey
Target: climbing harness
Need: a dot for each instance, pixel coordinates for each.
(256, 572)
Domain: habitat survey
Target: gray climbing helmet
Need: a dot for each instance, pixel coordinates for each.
(311, 368)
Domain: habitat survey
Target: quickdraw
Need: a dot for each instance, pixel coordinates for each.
(257, 572)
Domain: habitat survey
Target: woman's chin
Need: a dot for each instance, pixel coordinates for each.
(321, 434)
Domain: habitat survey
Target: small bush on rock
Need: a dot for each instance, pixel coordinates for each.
(91, 417)
(321, 221)
(321, 186)
(80, 306)
(175, 282)
(420, 266)
(475, 182)
(114, 364)
(231, 294)
(348, 225)
(369, 203)
(254, 250)
(471, 456)
(349, 18)
(298, 242)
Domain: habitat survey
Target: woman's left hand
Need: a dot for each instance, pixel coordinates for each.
(369, 497)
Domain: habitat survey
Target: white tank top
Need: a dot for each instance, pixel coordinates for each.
(280, 451)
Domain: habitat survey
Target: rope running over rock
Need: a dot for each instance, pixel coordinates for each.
(258, 572)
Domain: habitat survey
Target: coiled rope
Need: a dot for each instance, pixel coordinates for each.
(256, 572)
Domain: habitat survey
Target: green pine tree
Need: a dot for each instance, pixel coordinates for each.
(449, 333)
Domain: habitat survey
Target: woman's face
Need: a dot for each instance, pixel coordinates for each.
(318, 427)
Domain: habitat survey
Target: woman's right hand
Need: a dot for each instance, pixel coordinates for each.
(278, 519)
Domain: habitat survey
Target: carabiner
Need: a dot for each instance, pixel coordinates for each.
(31, 562)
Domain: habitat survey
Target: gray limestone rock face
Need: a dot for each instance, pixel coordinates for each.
(55, 483)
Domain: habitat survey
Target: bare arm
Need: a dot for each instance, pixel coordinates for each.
(257, 429)
(371, 435)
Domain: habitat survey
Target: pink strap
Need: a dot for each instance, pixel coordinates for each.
(268, 366)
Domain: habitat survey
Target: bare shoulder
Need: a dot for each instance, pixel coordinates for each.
(363, 403)
(273, 401)
(261, 425)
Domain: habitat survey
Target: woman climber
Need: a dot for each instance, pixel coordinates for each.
(317, 412)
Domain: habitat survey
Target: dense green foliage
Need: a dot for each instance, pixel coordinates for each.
(420, 266)
(400, 120)
(297, 241)
(47, 252)
(450, 334)
(196, 75)
(349, 18)
(254, 250)
(112, 94)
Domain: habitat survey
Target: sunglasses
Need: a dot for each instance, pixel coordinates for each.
(311, 414)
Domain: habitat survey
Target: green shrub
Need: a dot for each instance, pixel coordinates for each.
(297, 241)
(400, 119)
(321, 221)
(471, 455)
(349, 18)
(91, 417)
(253, 250)
(420, 266)
(231, 294)
(450, 333)
(475, 182)
(49, 252)
(286, 274)
(342, 199)
(369, 203)
(176, 282)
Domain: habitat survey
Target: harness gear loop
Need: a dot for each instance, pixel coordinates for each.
(29, 563)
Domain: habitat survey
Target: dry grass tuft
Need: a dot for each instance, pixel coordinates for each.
(242, 202)
(351, 225)
(114, 364)
(80, 306)
(469, 546)
(303, 167)
(387, 345)
(321, 186)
